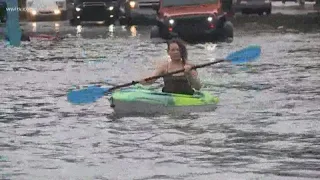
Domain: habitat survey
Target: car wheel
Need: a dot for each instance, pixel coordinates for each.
(268, 12)
(74, 22)
(122, 21)
(244, 12)
(108, 22)
(155, 32)
(125, 21)
(227, 31)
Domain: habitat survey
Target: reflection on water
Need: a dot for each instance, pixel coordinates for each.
(57, 27)
(100, 22)
(79, 29)
(34, 27)
(265, 127)
(111, 29)
(133, 31)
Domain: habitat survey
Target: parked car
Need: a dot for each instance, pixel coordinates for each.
(46, 9)
(3, 12)
(253, 7)
(130, 10)
(94, 10)
(189, 18)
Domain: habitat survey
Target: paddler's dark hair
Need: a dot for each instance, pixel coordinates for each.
(182, 48)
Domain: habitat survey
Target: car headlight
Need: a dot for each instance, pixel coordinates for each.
(132, 4)
(210, 19)
(78, 9)
(33, 12)
(111, 8)
(171, 21)
(57, 11)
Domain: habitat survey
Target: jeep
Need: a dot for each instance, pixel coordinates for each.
(192, 19)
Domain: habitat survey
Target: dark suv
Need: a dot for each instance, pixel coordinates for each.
(94, 10)
(3, 11)
(253, 7)
(192, 19)
(132, 11)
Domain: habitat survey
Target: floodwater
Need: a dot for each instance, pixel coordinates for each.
(267, 124)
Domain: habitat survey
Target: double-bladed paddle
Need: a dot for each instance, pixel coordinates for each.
(93, 93)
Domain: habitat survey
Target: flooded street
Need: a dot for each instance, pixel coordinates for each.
(267, 124)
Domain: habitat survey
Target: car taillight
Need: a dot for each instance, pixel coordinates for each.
(170, 29)
(211, 25)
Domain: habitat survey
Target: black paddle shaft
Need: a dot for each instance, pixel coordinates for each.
(168, 74)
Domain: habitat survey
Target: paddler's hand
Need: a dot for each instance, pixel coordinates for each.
(143, 82)
(187, 68)
(189, 71)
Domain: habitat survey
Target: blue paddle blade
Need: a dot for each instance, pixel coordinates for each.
(89, 95)
(250, 53)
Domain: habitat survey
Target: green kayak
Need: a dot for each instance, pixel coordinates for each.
(146, 101)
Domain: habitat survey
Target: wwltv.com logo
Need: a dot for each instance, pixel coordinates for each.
(11, 9)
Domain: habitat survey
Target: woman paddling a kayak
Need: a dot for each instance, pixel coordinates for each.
(183, 83)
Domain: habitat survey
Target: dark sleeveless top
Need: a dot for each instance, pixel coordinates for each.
(177, 84)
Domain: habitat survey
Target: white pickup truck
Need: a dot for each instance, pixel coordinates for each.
(130, 10)
(56, 9)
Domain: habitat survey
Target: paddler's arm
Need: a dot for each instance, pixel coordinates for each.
(157, 72)
(193, 78)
